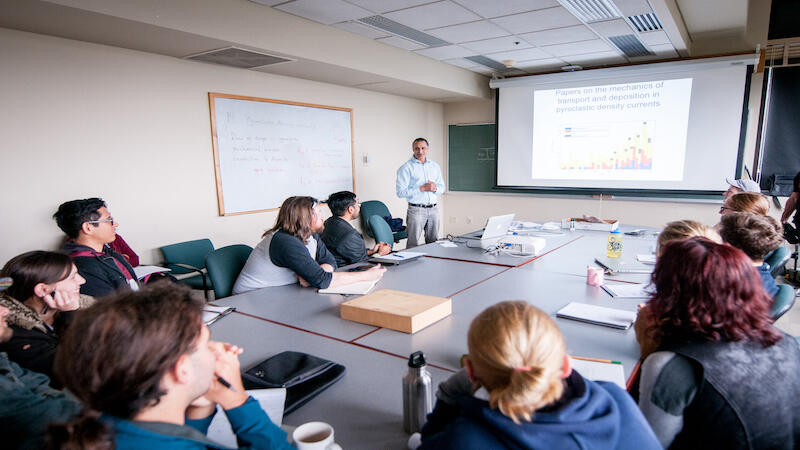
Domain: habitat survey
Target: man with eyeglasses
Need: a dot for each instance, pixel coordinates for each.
(343, 241)
(91, 229)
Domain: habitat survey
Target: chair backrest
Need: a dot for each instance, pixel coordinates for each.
(192, 253)
(381, 229)
(224, 265)
(369, 209)
(777, 259)
(782, 301)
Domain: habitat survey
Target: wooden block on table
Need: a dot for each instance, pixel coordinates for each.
(397, 310)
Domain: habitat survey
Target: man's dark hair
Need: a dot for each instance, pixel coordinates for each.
(339, 202)
(72, 214)
(753, 234)
(420, 140)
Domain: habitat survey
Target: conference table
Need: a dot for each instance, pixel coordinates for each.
(365, 406)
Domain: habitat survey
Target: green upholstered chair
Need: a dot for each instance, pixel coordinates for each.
(377, 208)
(188, 262)
(782, 301)
(381, 230)
(778, 259)
(224, 265)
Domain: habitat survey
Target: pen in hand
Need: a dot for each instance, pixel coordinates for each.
(225, 383)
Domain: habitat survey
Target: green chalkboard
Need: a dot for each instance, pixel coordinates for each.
(472, 157)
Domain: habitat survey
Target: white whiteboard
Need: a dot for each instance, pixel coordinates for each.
(268, 150)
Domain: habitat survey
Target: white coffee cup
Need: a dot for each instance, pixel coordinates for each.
(314, 436)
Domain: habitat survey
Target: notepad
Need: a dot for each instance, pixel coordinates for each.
(396, 257)
(599, 371)
(627, 290)
(646, 259)
(597, 315)
(359, 288)
(213, 313)
(270, 400)
(143, 271)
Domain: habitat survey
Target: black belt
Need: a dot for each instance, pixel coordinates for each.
(422, 206)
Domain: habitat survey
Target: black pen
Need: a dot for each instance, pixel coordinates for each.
(225, 383)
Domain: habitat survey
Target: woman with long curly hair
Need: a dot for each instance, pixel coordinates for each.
(717, 374)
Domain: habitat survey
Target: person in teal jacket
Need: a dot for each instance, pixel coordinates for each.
(144, 367)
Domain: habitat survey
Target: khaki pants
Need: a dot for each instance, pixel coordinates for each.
(419, 219)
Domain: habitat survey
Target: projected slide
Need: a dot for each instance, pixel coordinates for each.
(633, 131)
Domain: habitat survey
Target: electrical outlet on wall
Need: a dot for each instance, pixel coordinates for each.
(452, 219)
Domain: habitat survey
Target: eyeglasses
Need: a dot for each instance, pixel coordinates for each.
(109, 220)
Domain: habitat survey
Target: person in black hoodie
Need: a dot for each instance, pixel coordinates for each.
(40, 302)
(91, 228)
(519, 392)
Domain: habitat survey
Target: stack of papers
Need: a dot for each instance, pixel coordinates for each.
(359, 288)
(646, 259)
(143, 271)
(627, 290)
(270, 400)
(598, 315)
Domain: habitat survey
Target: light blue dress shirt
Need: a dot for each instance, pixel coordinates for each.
(412, 175)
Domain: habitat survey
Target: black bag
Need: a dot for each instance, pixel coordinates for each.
(395, 224)
(304, 376)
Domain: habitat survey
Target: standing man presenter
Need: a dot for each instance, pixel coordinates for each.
(419, 181)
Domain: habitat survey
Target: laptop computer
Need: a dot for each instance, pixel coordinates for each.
(618, 265)
(496, 227)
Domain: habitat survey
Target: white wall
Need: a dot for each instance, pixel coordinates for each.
(81, 120)
(463, 216)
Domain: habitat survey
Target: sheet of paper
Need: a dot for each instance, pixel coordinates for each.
(627, 290)
(362, 287)
(646, 259)
(447, 244)
(143, 271)
(212, 313)
(399, 256)
(602, 371)
(271, 401)
(597, 315)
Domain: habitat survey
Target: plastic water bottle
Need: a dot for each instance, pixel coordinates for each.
(417, 393)
(614, 249)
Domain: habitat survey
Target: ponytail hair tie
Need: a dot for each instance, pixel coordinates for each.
(522, 369)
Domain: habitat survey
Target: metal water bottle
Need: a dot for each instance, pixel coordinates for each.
(417, 393)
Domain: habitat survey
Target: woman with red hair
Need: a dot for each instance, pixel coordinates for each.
(717, 374)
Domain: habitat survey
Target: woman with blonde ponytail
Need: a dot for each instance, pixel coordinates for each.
(518, 391)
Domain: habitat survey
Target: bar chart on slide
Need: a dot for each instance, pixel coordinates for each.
(609, 146)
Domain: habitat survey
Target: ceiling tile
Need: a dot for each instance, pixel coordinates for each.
(609, 57)
(363, 30)
(633, 7)
(497, 8)
(462, 62)
(519, 55)
(473, 31)
(400, 42)
(434, 15)
(539, 64)
(664, 50)
(500, 44)
(324, 11)
(654, 38)
(578, 48)
(446, 52)
(543, 19)
(382, 6)
(616, 27)
(559, 35)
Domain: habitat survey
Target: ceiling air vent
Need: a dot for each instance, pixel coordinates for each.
(382, 23)
(484, 61)
(592, 10)
(645, 22)
(630, 45)
(238, 57)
